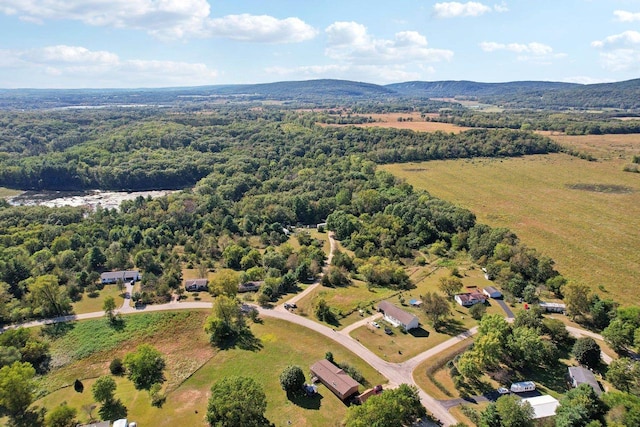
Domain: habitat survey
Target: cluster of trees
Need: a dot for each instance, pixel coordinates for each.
(144, 367)
(528, 343)
(573, 123)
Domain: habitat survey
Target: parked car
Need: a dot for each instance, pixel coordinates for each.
(290, 306)
(503, 390)
(388, 331)
(375, 325)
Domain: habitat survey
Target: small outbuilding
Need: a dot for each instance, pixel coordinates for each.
(398, 317)
(470, 298)
(110, 277)
(335, 379)
(492, 292)
(543, 406)
(97, 424)
(579, 375)
(196, 285)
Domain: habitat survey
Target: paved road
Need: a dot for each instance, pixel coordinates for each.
(396, 373)
(505, 308)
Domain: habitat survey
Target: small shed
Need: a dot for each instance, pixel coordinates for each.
(398, 317)
(580, 375)
(492, 292)
(196, 285)
(543, 406)
(335, 379)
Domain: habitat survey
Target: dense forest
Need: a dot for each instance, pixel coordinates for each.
(245, 172)
(167, 149)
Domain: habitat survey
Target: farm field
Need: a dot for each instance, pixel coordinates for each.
(585, 215)
(417, 123)
(193, 366)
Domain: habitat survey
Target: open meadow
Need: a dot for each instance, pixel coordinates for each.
(585, 215)
(412, 121)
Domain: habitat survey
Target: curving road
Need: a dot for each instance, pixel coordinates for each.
(396, 373)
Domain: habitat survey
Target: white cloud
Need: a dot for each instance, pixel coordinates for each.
(350, 42)
(533, 48)
(261, 28)
(624, 16)
(164, 19)
(455, 9)
(620, 52)
(501, 8)
(627, 38)
(77, 66)
(585, 80)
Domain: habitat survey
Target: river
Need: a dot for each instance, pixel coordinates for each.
(93, 199)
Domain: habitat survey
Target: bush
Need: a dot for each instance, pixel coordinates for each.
(116, 367)
(477, 311)
(587, 352)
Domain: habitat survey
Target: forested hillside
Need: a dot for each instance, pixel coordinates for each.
(166, 149)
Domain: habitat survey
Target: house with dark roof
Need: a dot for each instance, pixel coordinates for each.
(196, 285)
(109, 277)
(398, 317)
(335, 379)
(250, 286)
(579, 375)
(470, 298)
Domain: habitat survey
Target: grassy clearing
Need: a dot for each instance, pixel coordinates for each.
(591, 235)
(89, 305)
(7, 192)
(184, 343)
(415, 123)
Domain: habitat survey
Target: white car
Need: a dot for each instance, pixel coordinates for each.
(375, 325)
(503, 390)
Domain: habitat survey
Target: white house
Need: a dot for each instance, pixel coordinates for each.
(553, 307)
(523, 386)
(397, 316)
(123, 275)
(470, 298)
(492, 292)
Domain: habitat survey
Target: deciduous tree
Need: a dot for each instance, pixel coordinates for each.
(393, 408)
(436, 308)
(103, 389)
(145, 367)
(16, 388)
(292, 379)
(587, 352)
(237, 401)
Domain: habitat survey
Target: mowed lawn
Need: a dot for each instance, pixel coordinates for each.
(193, 366)
(551, 203)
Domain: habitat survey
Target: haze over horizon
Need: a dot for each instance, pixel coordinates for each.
(169, 43)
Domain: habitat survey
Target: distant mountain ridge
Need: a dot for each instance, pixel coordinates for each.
(519, 94)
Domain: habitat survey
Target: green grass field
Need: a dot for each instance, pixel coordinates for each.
(585, 215)
(89, 305)
(193, 366)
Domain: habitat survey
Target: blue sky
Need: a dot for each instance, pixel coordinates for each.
(159, 43)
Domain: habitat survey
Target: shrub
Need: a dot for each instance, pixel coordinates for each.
(116, 367)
